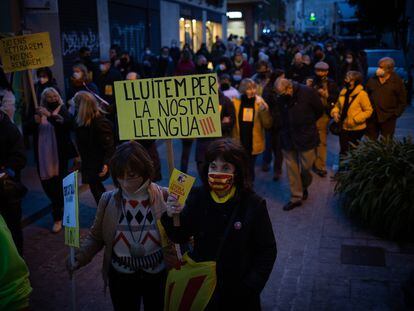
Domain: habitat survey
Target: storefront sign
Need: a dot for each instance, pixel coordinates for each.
(26, 52)
(173, 107)
(71, 209)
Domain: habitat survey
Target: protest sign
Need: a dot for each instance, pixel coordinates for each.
(173, 107)
(71, 209)
(180, 185)
(26, 52)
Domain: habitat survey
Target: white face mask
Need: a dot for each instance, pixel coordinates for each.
(237, 78)
(380, 72)
(349, 60)
(43, 80)
(77, 75)
(131, 185)
(222, 67)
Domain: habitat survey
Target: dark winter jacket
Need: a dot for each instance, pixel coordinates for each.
(333, 92)
(248, 253)
(96, 147)
(299, 73)
(299, 116)
(41, 87)
(105, 82)
(12, 152)
(388, 99)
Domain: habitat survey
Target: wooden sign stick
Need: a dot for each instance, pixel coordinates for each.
(32, 88)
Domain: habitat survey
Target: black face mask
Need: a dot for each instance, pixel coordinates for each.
(225, 86)
(53, 105)
(261, 75)
(347, 85)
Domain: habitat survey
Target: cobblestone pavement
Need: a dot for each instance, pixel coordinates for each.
(308, 274)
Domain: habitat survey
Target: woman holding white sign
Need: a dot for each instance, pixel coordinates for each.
(127, 225)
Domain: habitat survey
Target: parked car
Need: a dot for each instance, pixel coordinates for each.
(402, 67)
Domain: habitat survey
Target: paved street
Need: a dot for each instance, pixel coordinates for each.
(308, 274)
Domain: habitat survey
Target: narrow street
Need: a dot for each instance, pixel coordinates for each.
(316, 266)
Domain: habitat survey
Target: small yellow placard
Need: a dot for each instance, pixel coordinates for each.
(26, 52)
(248, 115)
(180, 185)
(165, 108)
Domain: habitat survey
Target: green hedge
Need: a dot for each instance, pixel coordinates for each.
(377, 186)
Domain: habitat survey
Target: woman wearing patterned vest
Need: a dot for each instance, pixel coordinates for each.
(127, 225)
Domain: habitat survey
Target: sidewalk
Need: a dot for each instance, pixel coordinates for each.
(317, 266)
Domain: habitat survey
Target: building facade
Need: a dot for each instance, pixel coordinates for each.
(192, 22)
(130, 24)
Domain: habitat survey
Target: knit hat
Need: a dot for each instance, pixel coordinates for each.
(321, 66)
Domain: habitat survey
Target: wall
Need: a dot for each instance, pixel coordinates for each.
(47, 20)
(170, 15)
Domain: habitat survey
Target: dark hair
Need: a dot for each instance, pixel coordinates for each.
(262, 63)
(130, 156)
(46, 71)
(4, 82)
(233, 152)
(84, 49)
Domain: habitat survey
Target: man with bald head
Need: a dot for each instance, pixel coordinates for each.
(300, 108)
(388, 97)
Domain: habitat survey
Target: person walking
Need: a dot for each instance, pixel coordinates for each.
(95, 141)
(272, 99)
(127, 227)
(230, 224)
(53, 148)
(328, 93)
(300, 107)
(388, 97)
(12, 161)
(252, 118)
(7, 98)
(45, 80)
(352, 111)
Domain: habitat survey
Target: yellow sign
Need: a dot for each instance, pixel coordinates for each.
(71, 209)
(26, 52)
(173, 107)
(180, 185)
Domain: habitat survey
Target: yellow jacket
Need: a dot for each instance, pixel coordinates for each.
(262, 120)
(359, 111)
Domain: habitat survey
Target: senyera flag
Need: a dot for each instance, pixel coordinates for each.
(190, 286)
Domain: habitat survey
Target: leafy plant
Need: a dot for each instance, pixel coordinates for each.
(377, 186)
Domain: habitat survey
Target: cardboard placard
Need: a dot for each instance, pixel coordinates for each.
(173, 107)
(71, 209)
(180, 185)
(26, 52)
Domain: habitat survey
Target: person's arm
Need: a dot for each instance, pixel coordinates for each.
(93, 242)
(316, 104)
(264, 251)
(401, 97)
(264, 115)
(16, 155)
(228, 115)
(366, 109)
(105, 136)
(188, 220)
(333, 93)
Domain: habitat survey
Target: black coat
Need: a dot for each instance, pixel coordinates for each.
(389, 99)
(248, 253)
(105, 82)
(65, 147)
(298, 119)
(12, 152)
(96, 147)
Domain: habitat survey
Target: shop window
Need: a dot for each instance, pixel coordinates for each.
(191, 32)
(213, 30)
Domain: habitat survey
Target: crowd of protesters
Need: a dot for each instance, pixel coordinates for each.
(279, 97)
